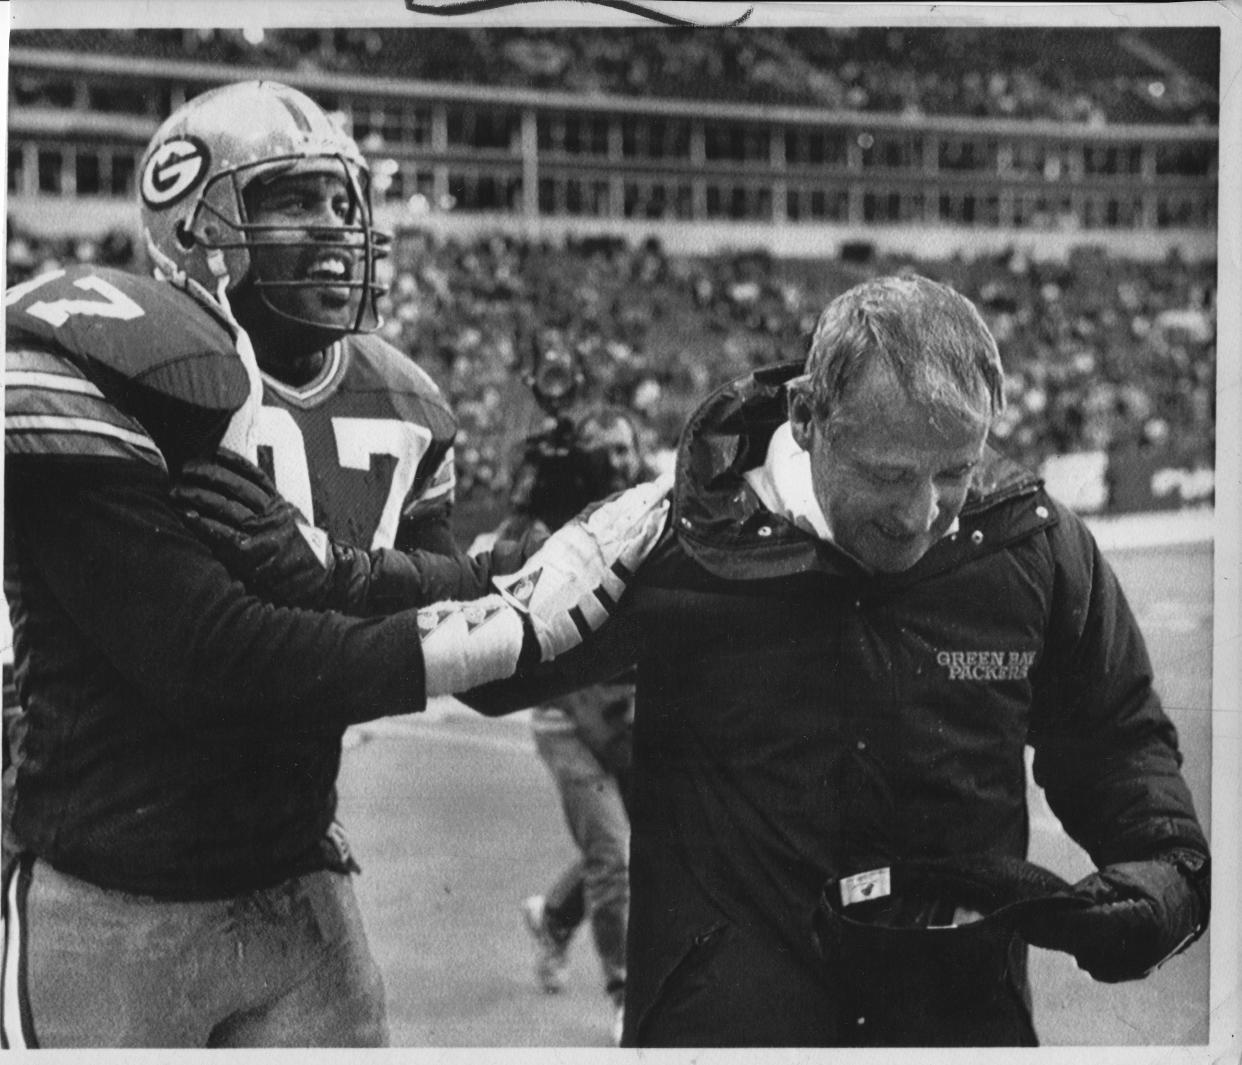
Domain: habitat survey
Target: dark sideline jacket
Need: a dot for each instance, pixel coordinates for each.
(798, 719)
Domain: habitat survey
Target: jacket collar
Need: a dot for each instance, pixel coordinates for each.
(784, 485)
(722, 522)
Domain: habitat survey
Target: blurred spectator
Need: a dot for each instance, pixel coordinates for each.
(1093, 346)
(29, 254)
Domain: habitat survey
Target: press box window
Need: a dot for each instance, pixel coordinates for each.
(655, 138)
(16, 168)
(573, 134)
(51, 171)
(884, 206)
(118, 99)
(469, 128)
(121, 174)
(817, 205)
(892, 153)
(1185, 160)
(739, 201)
(741, 144)
(958, 154)
(88, 173)
(814, 148)
(484, 192)
(655, 199)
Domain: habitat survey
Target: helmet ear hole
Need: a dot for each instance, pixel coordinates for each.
(185, 238)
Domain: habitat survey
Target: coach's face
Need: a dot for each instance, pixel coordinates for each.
(889, 477)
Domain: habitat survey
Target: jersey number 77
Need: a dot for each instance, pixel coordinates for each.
(356, 440)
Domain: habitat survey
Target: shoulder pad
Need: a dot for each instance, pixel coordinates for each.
(142, 330)
(397, 367)
(54, 413)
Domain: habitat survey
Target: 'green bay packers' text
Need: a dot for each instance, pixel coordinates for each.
(987, 665)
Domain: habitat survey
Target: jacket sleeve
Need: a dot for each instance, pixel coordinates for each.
(139, 589)
(604, 655)
(1106, 753)
(388, 580)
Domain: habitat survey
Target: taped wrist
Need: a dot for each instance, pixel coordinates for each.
(468, 644)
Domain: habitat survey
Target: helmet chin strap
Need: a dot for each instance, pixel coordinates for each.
(241, 435)
(167, 270)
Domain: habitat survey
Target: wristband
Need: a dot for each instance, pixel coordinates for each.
(468, 644)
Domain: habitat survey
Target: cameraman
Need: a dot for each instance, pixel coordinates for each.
(584, 739)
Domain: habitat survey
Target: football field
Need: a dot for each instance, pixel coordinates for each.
(455, 820)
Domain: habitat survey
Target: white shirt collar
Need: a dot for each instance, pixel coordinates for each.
(783, 484)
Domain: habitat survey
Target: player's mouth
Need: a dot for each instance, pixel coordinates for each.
(334, 273)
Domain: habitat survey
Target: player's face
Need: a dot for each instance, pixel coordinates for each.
(310, 210)
(892, 480)
(617, 451)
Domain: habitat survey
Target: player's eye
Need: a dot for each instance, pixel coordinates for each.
(292, 201)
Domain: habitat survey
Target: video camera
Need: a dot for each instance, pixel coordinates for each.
(556, 478)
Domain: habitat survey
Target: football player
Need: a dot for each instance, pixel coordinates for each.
(174, 874)
(276, 210)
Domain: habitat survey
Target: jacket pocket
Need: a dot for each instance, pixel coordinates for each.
(677, 985)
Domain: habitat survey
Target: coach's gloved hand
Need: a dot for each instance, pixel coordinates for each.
(571, 585)
(1142, 914)
(263, 539)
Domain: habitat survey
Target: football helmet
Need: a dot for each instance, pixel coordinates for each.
(197, 167)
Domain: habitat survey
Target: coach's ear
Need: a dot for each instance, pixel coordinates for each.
(801, 415)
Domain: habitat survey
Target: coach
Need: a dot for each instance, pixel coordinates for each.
(857, 619)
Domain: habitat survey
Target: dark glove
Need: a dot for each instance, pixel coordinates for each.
(1142, 913)
(263, 539)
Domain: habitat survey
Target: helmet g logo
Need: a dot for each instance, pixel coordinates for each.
(175, 167)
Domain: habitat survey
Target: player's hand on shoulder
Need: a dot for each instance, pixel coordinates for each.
(261, 538)
(573, 583)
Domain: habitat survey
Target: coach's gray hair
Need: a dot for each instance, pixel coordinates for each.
(932, 338)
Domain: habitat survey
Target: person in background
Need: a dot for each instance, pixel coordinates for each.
(584, 737)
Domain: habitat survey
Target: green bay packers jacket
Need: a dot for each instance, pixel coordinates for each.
(799, 719)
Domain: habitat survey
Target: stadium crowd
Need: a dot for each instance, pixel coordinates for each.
(1100, 352)
(1081, 74)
